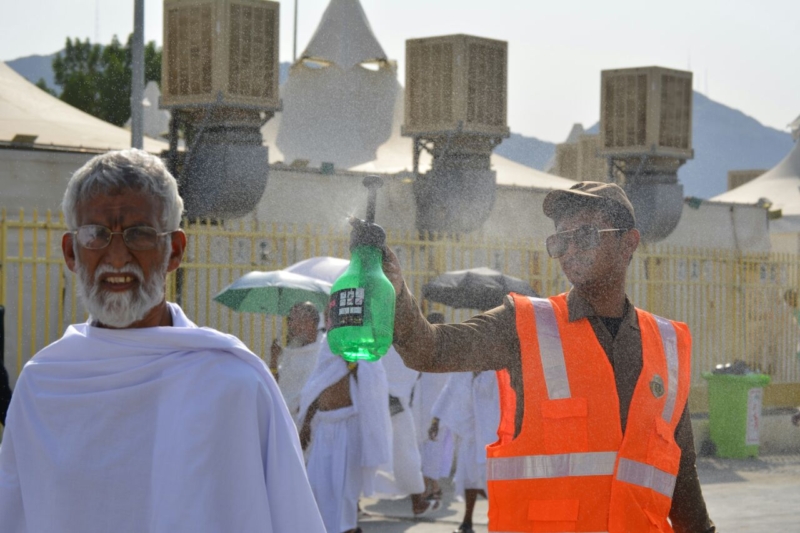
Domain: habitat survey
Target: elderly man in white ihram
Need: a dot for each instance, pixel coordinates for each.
(139, 420)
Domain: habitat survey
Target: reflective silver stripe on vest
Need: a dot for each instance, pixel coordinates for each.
(647, 476)
(550, 351)
(550, 466)
(669, 338)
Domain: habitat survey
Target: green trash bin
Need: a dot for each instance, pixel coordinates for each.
(734, 412)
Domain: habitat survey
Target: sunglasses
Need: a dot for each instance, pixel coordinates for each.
(94, 237)
(584, 238)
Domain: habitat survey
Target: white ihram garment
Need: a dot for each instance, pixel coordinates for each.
(437, 455)
(348, 445)
(296, 365)
(334, 464)
(470, 406)
(163, 429)
(406, 476)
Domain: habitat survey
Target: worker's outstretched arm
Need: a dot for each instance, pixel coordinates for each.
(485, 342)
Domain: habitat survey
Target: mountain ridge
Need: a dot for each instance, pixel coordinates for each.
(36, 67)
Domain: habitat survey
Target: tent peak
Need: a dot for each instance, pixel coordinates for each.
(794, 127)
(344, 37)
(575, 133)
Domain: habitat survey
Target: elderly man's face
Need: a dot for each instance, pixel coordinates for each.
(121, 286)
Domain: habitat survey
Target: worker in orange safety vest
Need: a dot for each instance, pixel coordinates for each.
(594, 434)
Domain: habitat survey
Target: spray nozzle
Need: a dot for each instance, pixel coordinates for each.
(366, 232)
(372, 183)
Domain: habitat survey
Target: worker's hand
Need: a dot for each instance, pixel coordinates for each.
(433, 431)
(391, 267)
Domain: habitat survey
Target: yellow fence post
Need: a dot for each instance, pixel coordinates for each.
(34, 265)
(20, 288)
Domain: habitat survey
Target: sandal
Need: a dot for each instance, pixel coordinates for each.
(464, 528)
(435, 495)
(430, 505)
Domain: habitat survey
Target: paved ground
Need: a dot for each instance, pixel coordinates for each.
(756, 495)
(752, 495)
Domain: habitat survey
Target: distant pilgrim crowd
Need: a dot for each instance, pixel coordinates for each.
(383, 430)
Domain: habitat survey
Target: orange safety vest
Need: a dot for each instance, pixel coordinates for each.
(570, 469)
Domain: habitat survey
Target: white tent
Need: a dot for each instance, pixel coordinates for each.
(779, 186)
(344, 37)
(155, 119)
(27, 110)
(336, 110)
(795, 128)
(395, 156)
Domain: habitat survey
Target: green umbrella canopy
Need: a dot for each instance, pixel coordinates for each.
(274, 292)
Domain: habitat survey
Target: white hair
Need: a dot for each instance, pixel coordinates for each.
(122, 170)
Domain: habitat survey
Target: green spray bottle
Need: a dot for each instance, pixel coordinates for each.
(361, 309)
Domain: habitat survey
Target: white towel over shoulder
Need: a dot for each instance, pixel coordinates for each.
(370, 397)
(162, 429)
(469, 405)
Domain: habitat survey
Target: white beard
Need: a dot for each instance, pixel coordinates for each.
(121, 309)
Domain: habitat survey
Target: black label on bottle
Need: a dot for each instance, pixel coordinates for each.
(346, 308)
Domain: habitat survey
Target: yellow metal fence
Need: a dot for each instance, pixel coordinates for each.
(732, 302)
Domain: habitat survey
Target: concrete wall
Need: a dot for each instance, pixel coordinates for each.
(36, 179)
(785, 243)
(777, 433)
(306, 196)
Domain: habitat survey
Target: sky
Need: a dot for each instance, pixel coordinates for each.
(744, 53)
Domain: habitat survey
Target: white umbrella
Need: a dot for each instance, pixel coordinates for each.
(327, 269)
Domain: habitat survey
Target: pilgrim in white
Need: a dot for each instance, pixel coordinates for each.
(293, 364)
(436, 449)
(348, 435)
(406, 476)
(139, 420)
(470, 406)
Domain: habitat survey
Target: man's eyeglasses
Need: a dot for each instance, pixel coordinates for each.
(584, 237)
(94, 237)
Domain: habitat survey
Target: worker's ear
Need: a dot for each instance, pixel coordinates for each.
(630, 242)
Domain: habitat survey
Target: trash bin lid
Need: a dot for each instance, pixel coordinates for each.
(755, 380)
